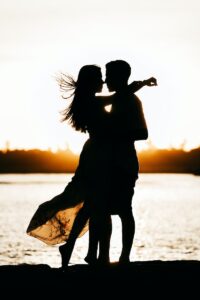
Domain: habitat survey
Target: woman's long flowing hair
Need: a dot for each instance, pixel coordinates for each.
(81, 92)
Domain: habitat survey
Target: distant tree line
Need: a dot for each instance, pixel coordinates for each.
(37, 161)
(151, 161)
(170, 161)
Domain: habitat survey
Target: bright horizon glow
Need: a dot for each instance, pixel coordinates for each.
(39, 39)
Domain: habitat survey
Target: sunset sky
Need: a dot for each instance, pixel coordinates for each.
(41, 38)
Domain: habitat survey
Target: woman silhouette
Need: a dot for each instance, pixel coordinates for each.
(87, 113)
(65, 217)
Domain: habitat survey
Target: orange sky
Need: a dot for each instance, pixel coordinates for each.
(41, 38)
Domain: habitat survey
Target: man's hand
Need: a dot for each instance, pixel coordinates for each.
(150, 82)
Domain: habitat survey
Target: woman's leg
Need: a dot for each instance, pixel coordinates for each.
(105, 235)
(100, 229)
(79, 223)
(91, 256)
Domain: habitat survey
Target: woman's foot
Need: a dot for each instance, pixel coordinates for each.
(124, 260)
(103, 260)
(91, 260)
(64, 257)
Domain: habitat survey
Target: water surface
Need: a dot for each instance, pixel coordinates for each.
(166, 209)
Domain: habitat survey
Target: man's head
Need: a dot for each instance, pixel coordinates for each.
(117, 74)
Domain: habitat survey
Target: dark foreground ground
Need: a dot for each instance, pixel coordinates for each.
(157, 279)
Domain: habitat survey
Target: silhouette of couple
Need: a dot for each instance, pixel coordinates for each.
(104, 181)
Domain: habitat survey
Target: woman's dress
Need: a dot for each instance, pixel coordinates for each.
(53, 220)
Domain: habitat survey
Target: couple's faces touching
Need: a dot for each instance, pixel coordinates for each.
(99, 83)
(110, 82)
(117, 74)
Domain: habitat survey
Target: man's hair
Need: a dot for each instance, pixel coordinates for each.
(119, 67)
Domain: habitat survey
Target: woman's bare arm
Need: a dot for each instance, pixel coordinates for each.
(133, 87)
(137, 85)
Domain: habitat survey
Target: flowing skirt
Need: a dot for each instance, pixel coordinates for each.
(53, 220)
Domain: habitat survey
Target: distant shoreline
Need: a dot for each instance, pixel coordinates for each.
(150, 161)
(61, 172)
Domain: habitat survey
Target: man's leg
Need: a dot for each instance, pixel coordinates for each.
(128, 231)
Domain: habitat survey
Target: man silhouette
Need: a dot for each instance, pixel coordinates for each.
(128, 126)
